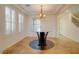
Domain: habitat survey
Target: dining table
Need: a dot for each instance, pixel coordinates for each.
(42, 42)
(42, 36)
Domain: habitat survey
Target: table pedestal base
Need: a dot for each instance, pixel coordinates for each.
(34, 44)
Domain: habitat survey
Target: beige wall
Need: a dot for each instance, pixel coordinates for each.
(48, 24)
(66, 26)
(6, 40)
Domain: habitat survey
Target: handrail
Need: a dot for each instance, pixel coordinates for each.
(75, 17)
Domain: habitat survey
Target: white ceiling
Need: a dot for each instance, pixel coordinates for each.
(47, 8)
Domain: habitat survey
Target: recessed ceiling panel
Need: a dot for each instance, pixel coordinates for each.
(47, 8)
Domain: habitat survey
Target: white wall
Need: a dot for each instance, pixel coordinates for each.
(6, 40)
(66, 26)
(48, 24)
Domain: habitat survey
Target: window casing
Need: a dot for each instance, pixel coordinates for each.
(21, 21)
(36, 25)
(9, 20)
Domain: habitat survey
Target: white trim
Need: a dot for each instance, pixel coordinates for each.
(20, 8)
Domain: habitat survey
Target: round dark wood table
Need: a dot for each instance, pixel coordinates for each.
(42, 43)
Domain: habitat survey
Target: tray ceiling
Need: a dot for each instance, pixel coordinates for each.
(47, 8)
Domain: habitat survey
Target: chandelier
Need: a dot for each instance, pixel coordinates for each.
(42, 15)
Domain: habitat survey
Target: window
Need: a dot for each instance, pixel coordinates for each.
(37, 25)
(21, 18)
(9, 20)
(13, 21)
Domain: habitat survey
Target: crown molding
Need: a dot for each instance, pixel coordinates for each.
(65, 7)
(19, 6)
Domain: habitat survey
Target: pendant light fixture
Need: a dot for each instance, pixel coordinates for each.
(42, 15)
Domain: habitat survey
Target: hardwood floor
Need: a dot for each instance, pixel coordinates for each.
(62, 46)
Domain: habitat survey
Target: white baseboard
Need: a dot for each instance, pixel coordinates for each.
(61, 36)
